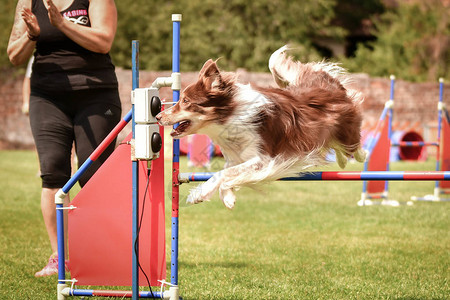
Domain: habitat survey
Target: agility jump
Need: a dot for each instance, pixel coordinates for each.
(442, 152)
(135, 249)
(379, 147)
(120, 263)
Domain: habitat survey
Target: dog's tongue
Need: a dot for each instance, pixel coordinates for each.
(174, 133)
(180, 128)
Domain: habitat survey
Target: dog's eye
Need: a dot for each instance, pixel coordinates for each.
(185, 101)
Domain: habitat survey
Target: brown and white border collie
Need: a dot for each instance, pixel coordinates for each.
(266, 133)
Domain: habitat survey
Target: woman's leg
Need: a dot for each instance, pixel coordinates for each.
(53, 134)
(48, 208)
(98, 113)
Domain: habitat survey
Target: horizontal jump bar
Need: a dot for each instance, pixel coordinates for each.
(105, 293)
(344, 176)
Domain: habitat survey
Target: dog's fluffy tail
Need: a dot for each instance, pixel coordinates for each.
(284, 70)
(288, 72)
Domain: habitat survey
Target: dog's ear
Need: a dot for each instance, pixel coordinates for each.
(206, 68)
(210, 75)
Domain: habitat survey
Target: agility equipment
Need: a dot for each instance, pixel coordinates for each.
(379, 146)
(97, 253)
(442, 152)
(378, 154)
(340, 176)
(105, 200)
(127, 243)
(408, 146)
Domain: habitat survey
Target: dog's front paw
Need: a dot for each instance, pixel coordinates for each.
(228, 198)
(199, 194)
(196, 196)
(193, 197)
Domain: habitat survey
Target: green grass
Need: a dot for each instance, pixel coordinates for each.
(292, 240)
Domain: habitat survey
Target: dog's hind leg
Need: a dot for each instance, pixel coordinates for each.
(228, 197)
(341, 158)
(360, 155)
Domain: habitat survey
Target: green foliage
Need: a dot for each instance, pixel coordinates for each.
(8, 9)
(413, 42)
(242, 33)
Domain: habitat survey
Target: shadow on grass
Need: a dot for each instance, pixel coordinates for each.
(419, 298)
(215, 264)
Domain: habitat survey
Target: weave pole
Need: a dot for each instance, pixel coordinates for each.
(343, 176)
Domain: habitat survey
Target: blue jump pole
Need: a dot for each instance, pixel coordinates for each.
(391, 115)
(114, 293)
(135, 181)
(440, 111)
(61, 246)
(374, 140)
(387, 112)
(176, 19)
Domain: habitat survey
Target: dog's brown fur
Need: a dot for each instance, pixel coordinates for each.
(266, 132)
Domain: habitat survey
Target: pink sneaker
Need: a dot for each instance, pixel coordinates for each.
(51, 268)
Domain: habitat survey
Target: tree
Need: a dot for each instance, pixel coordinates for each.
(413, 42)
(8, 9)
(243, 33)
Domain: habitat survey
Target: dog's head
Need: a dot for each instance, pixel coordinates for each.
(205, 102)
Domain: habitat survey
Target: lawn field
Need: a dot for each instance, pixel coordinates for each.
(290, 240)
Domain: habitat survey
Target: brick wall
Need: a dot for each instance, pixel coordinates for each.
(415, 103)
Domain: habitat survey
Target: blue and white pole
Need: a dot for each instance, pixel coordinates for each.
(174, 290)
(135, 177)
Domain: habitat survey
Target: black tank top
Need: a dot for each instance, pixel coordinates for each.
(61, 64)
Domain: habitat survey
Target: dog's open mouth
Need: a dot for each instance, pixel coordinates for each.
(182, 127)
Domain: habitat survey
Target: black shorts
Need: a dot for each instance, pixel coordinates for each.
(57, 120)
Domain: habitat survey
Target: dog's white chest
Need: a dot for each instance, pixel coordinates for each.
(238, 144)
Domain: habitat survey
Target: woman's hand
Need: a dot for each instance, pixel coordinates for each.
(33, 29)
(53, 14)
(96, 38)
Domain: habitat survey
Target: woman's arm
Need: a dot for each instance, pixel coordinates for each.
(97, 38)
(26, 88)
(20, 46)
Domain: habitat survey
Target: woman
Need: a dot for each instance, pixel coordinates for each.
(74, 90)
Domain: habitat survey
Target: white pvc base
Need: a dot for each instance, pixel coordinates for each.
(430, 198)
(62, 290)
(435, 197)
(174, 293)
(393, 203)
